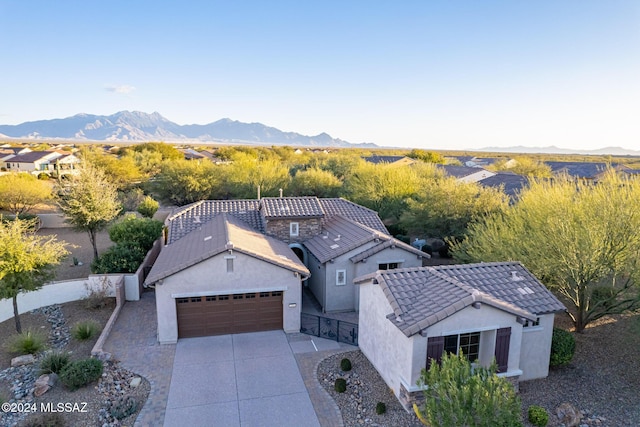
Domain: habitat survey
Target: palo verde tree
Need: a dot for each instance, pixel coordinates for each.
(581, 239)
(21, 192)
(89, 201)
(26, 260)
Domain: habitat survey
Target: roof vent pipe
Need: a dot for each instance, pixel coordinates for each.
(258, 192)
(281, 192)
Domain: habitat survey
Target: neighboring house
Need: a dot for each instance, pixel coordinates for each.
(590, 171)
(8, 152)
(510, 183)
(465, 173)
(275, 243)
(409, 317)
(480, 162)
(391, 160)
(36, 162)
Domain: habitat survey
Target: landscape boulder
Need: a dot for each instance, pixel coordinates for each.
(44, 383)
(22, 360)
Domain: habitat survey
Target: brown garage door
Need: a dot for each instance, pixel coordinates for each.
(229, 314)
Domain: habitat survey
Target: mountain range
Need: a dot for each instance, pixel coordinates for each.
(614, 151)
(136, 126)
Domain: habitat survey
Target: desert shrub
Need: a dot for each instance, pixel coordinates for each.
(563, 345)
(458, 395)
(121, 258)
(97, 297)
(84, 330)
(148, 207)
(340, 385)
(345, 364)
(80, 373)
(43, 176)
(603, 295)
(54, 361)
(538, 416)
(381, 408)
(123, 407)
(30, 342)
(44, 419)
(141, 232)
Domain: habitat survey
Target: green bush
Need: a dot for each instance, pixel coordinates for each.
(538, 416)
(340, 385)
(44, 419)
(80, 373)
(43, 176)
(458, 395)
(84, 330)
(123, 407)
(345, 364)
(141, 232)
(563, 345)
(121, 258)
(381, 408)
(604, 295)
(148, 207)
(29, 342)
(54, 361)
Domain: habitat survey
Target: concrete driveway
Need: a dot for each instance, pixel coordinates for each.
(242, 380)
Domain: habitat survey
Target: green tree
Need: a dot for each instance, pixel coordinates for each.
(576, 237)
(26, 260)
(187, 181)
(446, 207)
(141, 232)
(21, 192)
(427, 156)
(122, 171)
(246, 174)
(457, 394)
(148, 207)
(89, 201)
(315, 182)
(121, 258)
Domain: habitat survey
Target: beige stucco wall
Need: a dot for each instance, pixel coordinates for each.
(346, 298)
(400, 359)
(536, 349)
(210, 277)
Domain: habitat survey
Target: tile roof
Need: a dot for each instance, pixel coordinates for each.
(339, 236)
(33, 156)
(587, 170)
(221, 233)
(352, 211)
(190, 217)
(423, 296)
(459, 171)
(291, 207)
(511, 183)
(509, 281)
(384, 159)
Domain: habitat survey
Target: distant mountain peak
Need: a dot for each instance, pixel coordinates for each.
(138, 126)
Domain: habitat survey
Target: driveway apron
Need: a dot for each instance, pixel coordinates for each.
(243, 380)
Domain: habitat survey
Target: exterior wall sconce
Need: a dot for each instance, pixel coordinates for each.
(292, 305)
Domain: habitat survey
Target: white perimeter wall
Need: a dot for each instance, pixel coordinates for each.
(536, 349)
(57, 293)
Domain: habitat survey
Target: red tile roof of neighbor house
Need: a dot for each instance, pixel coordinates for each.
(222, 233)
(423, 296)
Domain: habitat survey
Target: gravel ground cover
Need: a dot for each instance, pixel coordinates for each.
(16, 384)
(602, 381)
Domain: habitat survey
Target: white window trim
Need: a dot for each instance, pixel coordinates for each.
(344, 276)
(294, 229)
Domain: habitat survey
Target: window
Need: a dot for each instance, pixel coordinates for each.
(468, 344)
(229, 260)
(341, 277)
(294, 229)
(530, 323)
(388, 266)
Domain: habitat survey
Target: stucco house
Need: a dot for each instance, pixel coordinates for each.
(466, 174)
(36, 162)
(226, 263)
(408, 317)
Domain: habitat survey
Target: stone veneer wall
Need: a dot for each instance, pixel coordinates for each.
(307, 228)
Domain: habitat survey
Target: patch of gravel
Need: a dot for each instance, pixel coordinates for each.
(95, 400)
(365, 388)
(602, 381)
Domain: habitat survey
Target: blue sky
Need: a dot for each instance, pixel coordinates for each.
(447, 74)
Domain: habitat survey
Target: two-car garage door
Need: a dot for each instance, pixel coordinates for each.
(229, 314)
